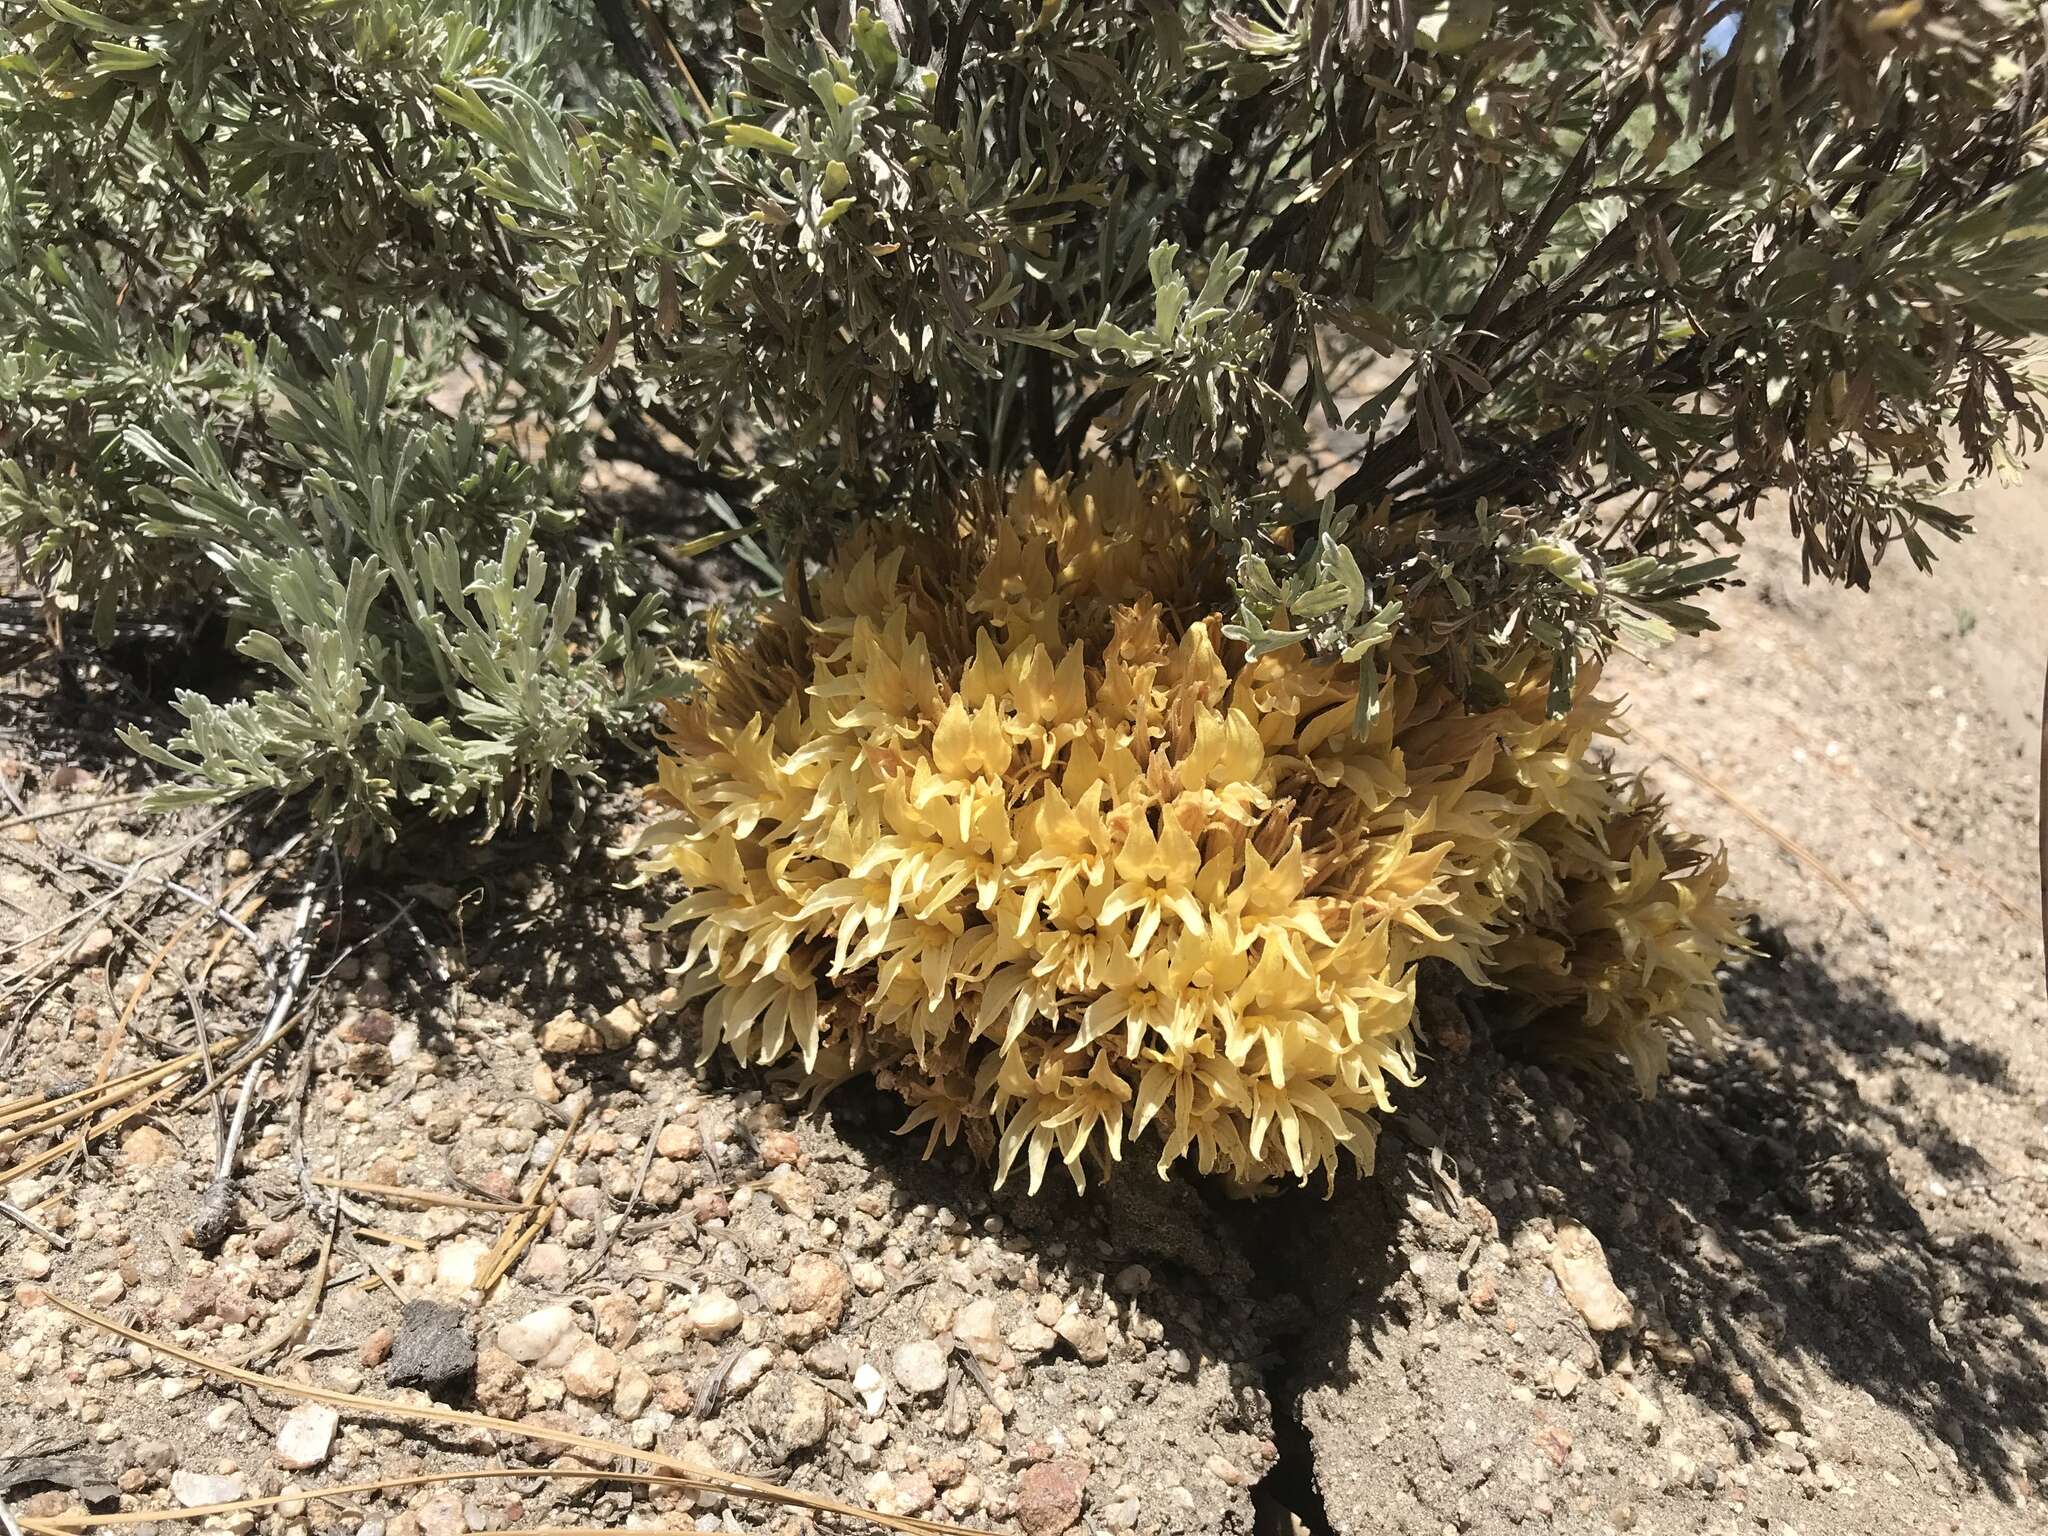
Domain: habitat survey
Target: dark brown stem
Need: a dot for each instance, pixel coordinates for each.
(1074, 437)
(1038, 417)
(947, 96)
(638, 58)
(635, 444)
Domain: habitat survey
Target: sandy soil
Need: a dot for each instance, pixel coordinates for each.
(1805, 1289)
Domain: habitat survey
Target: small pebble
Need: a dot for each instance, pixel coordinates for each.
(712, 1315)
(307, 1435)
(193, 1489)
(919, 1366)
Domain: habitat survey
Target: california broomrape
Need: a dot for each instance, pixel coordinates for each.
(1011, 818)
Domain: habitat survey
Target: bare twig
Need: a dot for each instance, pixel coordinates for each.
(48, 1111)
(219, 914)
(77, 1143)
(15, 1213)
(96, 1099)
(712, 1389)
(312, 906)
(56, 812)
(432, 956)
(975, 1371)
(516, 1243)
(220, 1119)
(302, 1168)
(130, 875)
(215, 1216)
(676, 60)
(604, 1242)
(946, 92)
(403, 915)
(141, 988)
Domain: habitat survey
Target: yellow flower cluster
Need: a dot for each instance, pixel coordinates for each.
(1004, 818)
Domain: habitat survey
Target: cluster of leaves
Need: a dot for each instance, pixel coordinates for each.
(1576, 287)
(1360, 584)
(421, 647)
(212, 404)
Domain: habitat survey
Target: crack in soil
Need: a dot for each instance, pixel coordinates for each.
(1288, 1499)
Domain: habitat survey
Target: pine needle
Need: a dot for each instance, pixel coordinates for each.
(86, 1101)
(70, 1144)
(1801, 854)
(496, 1271)
(514, 1240)
(396, 1239)
(101, 1093)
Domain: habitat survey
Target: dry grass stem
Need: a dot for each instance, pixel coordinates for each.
(398, 1194)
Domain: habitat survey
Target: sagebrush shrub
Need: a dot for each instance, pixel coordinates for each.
(1012, 819)
(418, 650)
(315, 320)
(1583, 286)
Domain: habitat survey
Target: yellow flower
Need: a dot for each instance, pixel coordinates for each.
(1149, 996)
(1155, 874)
(1064, 842)
(1088, 1105)
(1003, 818)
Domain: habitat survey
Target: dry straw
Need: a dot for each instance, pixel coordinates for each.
(398, 1194)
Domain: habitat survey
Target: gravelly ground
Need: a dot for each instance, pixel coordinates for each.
(1825, 1247)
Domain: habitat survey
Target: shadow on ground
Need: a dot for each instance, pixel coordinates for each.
(543, 915)
(1753, 1214)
